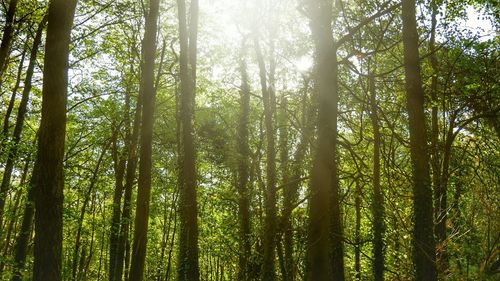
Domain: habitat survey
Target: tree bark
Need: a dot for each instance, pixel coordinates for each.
(325, 246)
(423, 239)
(146, 138)
(50, 182)
(188, 267)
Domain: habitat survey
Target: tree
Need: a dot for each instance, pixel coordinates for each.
(148, 106)
(423, 240)
(50, 182)
(325, 249)
(188, 269)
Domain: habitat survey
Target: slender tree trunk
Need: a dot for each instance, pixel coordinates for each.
(23, 106)
(119, 168)
(243, 174)
(357, 232)
(93, 180)
(423, 239)
(50, 182)
(144, 183)
(269, 239)
(378, 196)
(129, 183)
(7, 36)
(325, 248)
(188, 267)
(21, 244)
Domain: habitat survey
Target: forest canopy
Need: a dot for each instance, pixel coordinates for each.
(249, 140)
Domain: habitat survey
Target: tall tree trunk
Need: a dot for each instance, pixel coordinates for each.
(21, 114)
(423, 239)
(269, 101)
(188, 267)
(243, 174)
(50, 182)
(144, 183)
(7, 36)
(289, 194)
(325, 248)
(378, 196)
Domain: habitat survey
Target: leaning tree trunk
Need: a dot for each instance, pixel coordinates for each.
(50, 182)
(423, 237)
(188, 267)
(144, 184)
(7, 36)
(325, 248)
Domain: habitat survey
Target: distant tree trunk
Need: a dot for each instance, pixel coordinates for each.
(12, 100)
(21, 244)
(21, 113)
(423, 239)
(269, 101)
(188, 267)
(50, 183)
(357, 232)
(119, 169)
(243, 174)
(7, 36)
(146, 138)
(325, 248)
(83, 211)
(131, 146)
(289, 193)
(378, 196)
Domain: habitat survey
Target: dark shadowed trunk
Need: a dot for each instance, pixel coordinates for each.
(423, 240)
(188, 267)
(146, 137)
(378, 196)
(7, 36)
(50, 182)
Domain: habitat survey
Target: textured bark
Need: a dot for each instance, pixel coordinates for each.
(50, 183)
(269, 101)
(243, 174)
(378, 196)
(146, 138)
(325, 247)
(188, 267)
(423, 236)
